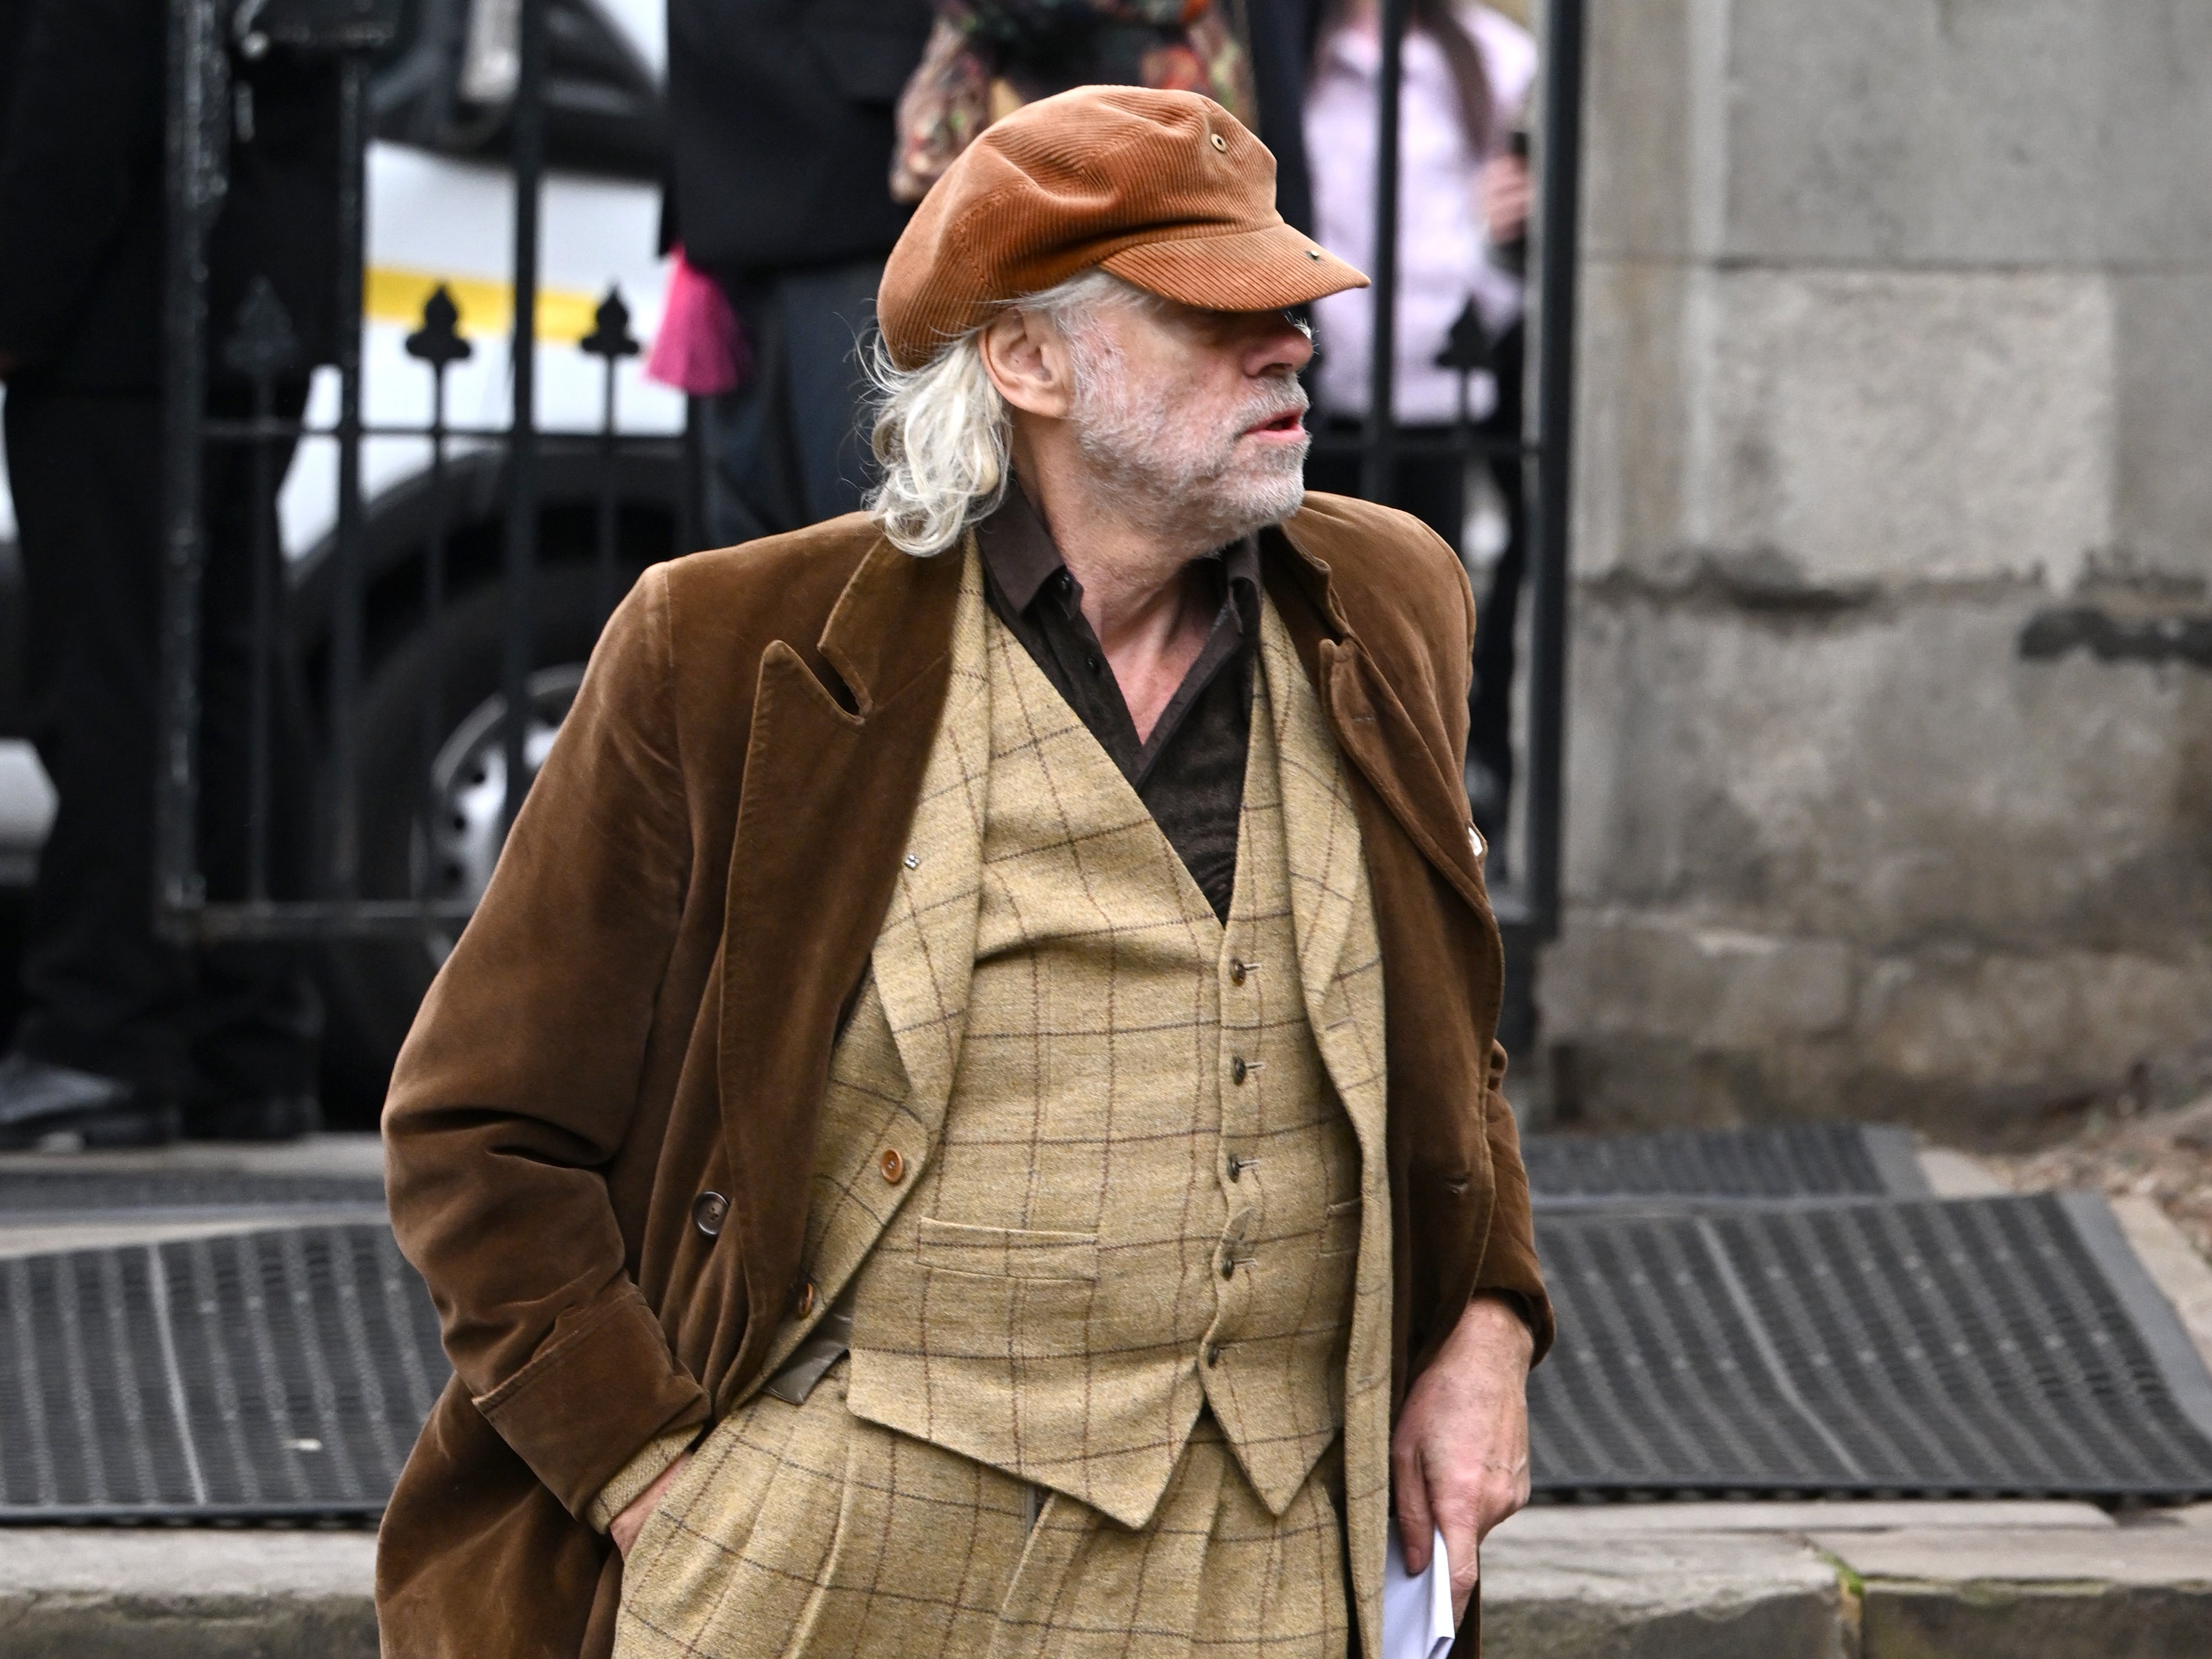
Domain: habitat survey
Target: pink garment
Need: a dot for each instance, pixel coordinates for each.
(700, 349)
(1443, 255)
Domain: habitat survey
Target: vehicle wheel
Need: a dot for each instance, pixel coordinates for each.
(441, 841)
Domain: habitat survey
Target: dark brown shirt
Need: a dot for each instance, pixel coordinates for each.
(1189, 773)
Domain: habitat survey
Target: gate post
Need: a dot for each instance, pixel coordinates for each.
(196, 157)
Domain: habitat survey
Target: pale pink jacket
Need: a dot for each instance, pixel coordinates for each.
(1442, 252)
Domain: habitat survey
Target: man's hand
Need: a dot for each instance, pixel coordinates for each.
(1458, 1459)
(625, 1527)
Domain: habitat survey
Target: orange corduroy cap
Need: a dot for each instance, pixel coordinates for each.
(1166, 189)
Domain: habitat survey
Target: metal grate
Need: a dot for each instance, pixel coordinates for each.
(49, 1194)
(1792, 1161)
(1980, 1348)
(268, 1374)
(1974, 1347)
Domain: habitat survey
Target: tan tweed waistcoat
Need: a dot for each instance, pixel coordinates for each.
(1147, 1194)
(888, 1108)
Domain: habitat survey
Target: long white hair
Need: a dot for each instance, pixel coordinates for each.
(941, 431)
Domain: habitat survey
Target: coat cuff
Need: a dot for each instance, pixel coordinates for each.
(1509, 1271)
(635, 1476)
(601, 1388)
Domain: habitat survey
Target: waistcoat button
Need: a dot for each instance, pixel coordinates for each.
(893, 1165)
(1236, 971)
(1237, 1069)
(708, 1211)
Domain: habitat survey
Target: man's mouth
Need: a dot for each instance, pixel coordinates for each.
(1288, 422)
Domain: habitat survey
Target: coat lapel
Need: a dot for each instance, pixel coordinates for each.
(1369, 720)
(834, 762)
(891, 1075)
(925, 956)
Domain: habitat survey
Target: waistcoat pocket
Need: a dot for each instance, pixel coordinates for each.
(1005, 1252)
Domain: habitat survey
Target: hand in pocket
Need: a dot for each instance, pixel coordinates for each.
(625, 1527)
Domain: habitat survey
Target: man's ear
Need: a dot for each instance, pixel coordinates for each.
(1028, 360)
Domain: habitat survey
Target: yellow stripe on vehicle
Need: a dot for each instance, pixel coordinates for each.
(487, 308)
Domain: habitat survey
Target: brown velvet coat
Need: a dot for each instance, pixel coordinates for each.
(643, 1007)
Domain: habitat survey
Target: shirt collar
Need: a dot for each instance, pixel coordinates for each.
(1024, 561)
(1019, 550)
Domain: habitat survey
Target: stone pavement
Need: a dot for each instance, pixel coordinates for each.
(1691, 1581)
(1658, 1581)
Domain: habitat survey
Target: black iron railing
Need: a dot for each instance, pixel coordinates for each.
(257, 346)
(340, 628)
(1525, 886)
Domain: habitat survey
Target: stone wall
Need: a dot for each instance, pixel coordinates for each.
(1890, 769)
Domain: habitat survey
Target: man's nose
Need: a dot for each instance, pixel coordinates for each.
(1278, 344)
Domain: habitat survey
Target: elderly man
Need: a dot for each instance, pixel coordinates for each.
(966, 1122)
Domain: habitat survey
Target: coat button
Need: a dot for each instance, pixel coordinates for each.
(893, 1165)
(805, 1306)
(708, 1211)
(1237, 1071)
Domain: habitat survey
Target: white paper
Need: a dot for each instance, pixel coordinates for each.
(1417, 1612)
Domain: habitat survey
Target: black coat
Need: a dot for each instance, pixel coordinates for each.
(781, 113)
(82, 213)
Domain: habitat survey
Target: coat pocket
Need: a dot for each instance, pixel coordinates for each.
(1006, 1252)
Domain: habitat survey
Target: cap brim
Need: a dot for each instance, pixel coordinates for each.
(1270, 269)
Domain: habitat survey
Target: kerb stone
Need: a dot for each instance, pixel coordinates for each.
(107, 1593)
(2133, 1592)
(1683, 1597)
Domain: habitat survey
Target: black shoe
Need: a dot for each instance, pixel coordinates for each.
(268, 1117)
(39, 1099)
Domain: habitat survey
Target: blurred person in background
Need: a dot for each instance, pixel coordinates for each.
(987, 58)
(783, 122)
(125, 1038)
(1463, 198)
(1248, 56)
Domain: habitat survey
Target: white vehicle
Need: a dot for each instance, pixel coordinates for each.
(441, 214)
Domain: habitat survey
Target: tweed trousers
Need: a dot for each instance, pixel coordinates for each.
(805, 1530)
(996, 1469)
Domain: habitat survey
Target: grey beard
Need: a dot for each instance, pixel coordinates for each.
(1182, 483)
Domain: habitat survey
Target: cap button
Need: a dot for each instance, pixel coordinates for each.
(1219, 143)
